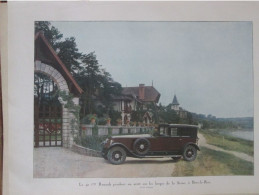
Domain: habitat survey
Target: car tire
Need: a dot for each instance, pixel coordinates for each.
(116, 155)
(190, 153)
(141, 146)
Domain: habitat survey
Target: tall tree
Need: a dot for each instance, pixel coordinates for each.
(87, 77)
(108, 89)
(85, 68)
(69, 54)
(67, 50)
(50, 32)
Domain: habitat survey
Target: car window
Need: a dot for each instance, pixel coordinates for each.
(163, 130)
(174, 132)
(189, 132)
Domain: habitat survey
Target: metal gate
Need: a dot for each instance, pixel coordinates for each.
(47, 113)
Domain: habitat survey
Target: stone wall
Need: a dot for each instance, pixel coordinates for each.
(85, 151)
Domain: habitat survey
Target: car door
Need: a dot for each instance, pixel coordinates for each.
(160, 142)
(174, 142)
(166, 141)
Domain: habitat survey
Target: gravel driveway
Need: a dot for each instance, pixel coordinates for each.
(63, 163)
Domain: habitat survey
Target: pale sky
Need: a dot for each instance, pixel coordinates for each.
(208, 65)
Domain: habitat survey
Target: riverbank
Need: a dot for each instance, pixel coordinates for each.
(213, 163)
(221, 159)
(228, 142)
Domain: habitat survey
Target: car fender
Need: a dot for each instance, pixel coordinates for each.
(129, 153)
(193, 144)
(119, 144)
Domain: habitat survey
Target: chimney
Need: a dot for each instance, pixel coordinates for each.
(141, 91)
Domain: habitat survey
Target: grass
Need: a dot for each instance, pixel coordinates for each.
(229, 143)
(213, 163)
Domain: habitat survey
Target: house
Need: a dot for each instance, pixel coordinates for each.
(179, 110)
(133, 96)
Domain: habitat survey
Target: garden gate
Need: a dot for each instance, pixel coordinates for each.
(47, 113)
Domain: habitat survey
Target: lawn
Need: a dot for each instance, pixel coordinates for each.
(228, 143)
(213, 163)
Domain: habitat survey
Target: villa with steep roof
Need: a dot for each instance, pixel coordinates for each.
(131, 96)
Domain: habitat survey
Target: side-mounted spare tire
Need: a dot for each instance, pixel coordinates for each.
(141, 146)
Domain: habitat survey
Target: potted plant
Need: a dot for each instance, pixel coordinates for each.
(127, 123)
(108, 121)
(92, 118)
(118, 122)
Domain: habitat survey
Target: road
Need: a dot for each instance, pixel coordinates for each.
(202, 142)
(58, 162)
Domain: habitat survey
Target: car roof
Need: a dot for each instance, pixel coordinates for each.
(179, 125)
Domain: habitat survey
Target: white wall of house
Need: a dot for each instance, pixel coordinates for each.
(175, 107)
(117, 105)
(133, 104)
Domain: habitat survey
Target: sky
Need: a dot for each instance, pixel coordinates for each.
(208, 65)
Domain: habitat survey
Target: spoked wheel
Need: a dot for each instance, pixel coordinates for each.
(190, 153)
(116, 155)
(176, 158)
(141, 146)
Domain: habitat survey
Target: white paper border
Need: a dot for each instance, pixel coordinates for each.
(19, 143)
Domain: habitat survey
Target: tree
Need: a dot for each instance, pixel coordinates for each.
(69, 55)
(87, 78)
(96, 83)
(67, 50)
(51, 33)
(168, 115)
(152, 108)
(108, 89)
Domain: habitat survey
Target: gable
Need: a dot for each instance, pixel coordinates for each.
(46, 54)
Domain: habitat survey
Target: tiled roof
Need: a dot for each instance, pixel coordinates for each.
(150, 95)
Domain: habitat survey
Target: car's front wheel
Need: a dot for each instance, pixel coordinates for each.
(189, 153)
(116, 155)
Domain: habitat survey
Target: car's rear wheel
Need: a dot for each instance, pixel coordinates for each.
(141, 146)
(116, 155)
(189, 153)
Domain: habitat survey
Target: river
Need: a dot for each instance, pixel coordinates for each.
(243, 134)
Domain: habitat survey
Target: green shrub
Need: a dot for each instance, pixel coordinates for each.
(95, 130)
(109, 131)
(101, 121)
(91, 141)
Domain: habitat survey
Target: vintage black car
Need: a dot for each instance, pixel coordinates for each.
(169, 140)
